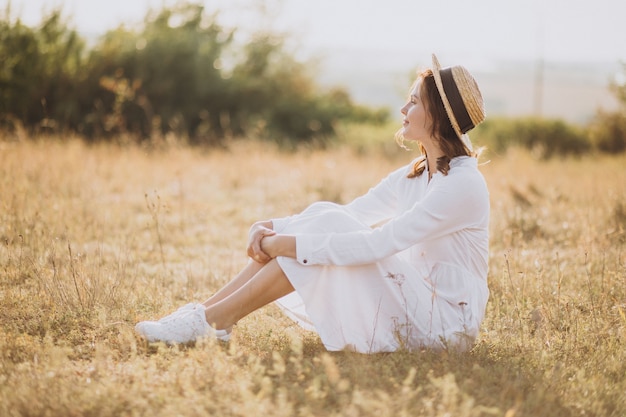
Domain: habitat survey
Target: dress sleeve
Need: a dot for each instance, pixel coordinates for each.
(279, 223)
(451, 204)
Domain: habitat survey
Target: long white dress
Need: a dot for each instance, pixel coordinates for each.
(419, 280)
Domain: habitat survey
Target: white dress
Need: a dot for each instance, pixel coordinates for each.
(416, 280)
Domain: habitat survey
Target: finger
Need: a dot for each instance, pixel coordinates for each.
(255, 248)
(254, 242)
(257, 237)
(261, 258)
(258, 251)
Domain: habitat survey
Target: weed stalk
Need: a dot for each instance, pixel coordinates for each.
(154, 208)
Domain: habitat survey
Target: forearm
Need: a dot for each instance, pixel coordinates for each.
(279, 245)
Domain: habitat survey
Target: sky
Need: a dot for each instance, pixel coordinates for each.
(476, 30)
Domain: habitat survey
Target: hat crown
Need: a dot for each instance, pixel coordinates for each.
(470, 93)
(461, 98)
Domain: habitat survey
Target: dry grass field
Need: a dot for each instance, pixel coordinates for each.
(95, 238)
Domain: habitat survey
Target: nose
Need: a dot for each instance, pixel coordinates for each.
(403, 110)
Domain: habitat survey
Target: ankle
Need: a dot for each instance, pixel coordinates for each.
(218, 321)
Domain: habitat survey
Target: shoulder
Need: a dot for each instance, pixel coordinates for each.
(464, 162)
(465, 176)
(464, 167)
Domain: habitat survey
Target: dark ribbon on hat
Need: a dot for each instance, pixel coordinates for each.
(461, 115)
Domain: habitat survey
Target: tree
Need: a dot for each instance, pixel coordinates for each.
(179, 73)
(607, 130)
(39, 70)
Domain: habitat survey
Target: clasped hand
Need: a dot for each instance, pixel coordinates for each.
(257, 232)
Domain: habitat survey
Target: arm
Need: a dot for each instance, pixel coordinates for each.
(452, 204)
(378, 204)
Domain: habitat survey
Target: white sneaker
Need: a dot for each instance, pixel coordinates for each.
(223, 335)
(184, 327)
(180, 310)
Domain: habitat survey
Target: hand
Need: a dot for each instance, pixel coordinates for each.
(257, 232)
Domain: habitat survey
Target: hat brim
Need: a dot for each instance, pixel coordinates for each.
(436, 68)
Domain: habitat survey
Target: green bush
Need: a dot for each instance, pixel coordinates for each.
(544, 137)
(608, 132)
(494, 133)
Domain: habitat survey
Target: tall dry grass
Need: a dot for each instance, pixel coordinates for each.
(95, 238)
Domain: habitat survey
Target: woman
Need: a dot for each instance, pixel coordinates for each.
(418, 279)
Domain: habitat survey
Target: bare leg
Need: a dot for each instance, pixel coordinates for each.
(254, 287)
(267, 285)
(233, 285)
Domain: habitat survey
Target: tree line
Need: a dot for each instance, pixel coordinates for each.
(181, 73)
(547, 138)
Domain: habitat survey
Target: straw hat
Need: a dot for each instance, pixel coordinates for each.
(461, 98)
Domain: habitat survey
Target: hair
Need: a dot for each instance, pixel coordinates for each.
(441, 129)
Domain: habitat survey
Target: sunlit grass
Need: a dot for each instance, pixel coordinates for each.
(94, 238)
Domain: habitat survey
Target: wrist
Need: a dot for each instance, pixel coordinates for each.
(267, 246)
(279, 245)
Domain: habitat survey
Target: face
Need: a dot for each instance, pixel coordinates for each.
(417, 122)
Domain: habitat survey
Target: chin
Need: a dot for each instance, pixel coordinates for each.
(409, 138)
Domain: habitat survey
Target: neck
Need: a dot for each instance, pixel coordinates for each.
(432, 154)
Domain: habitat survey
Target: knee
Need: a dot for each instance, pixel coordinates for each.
(321, 207)
(335, 219)
(324, 217)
